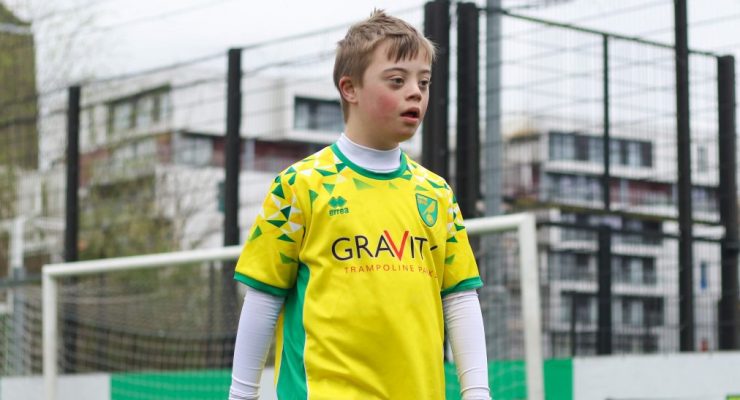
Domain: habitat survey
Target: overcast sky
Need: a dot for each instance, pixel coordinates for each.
(117, 36)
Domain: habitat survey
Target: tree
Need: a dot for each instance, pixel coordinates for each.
(63, 33)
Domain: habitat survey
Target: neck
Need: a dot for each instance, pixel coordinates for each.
(369, 158)
(355, 130)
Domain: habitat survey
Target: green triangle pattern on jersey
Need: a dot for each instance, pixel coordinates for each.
(341, 167)
(407, 177)
(434, 185)
(459, 227)
(278, 223)
(392, 186)
(329, 187)
(285, 211)
(360, 185)
(285, 259)
(278, 191)
(285, 238)
(291, 180)
(452, 240)
(312, 195)
(256, 233)
(449, 260)
(325, 173)
(421, 188)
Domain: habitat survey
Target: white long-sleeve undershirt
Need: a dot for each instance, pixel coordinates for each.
(464, 323)
(253, 338)
(371, 159)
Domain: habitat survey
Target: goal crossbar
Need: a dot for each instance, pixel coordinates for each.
(523, 223)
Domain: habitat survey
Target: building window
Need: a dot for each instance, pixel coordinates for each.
(702, 161)
(642, 312)
(121, 116)
(634, 154)
(584, 308)
(92, 127)
(647, 154)
(632, 312)
(704, 199)
(615, 152)
(139, 111)
(634, 270)
(703, 278)
(573, 266)
(596, 150)
(144, 107)
(556, 146)
(581, 147)
(631, 153)
(651, 232)
(567, 187)
(645, 343)
(653, 312)
(194, 150)
(318, 115)
(649, 274)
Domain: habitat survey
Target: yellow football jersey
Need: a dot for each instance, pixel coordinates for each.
(364, 260)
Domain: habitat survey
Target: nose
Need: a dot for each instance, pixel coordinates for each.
(414, 92)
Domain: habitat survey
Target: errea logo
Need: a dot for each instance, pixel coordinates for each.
(337, 205)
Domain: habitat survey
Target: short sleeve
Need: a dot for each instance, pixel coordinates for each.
(269, 260)
(461, 269)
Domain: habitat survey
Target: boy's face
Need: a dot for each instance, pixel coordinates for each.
(393, 98)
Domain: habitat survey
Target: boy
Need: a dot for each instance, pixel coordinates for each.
(359, 255)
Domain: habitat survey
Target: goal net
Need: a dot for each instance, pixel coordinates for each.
(163, 326)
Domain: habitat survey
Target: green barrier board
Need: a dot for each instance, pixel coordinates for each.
(507, 379)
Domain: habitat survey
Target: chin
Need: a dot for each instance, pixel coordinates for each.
(404, 136)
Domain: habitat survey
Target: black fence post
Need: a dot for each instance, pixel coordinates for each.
(604, 336)
(232, 167)
(434, 142)
(728, 303)
(71, 228)
(607, 123)
(232, 149)
(467, 163)
(685, 217)
(573, 325)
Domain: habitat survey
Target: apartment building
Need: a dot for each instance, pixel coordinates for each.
(559, 174)
(152, 149)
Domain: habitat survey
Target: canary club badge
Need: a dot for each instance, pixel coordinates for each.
(427, 209)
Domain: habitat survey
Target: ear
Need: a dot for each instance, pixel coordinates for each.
(348, 90)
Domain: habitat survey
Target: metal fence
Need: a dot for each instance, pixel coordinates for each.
(584, 130)
(580, 127)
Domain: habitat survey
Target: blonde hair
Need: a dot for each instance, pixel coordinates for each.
(355, 50)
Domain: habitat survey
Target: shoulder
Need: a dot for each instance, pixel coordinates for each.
(428, 179)
(308, 170)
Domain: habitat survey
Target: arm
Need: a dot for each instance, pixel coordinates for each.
(253, 338)
(464, 323)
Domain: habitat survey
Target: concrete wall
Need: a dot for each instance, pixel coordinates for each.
(92, 387)
(78, 387)
(696, 376)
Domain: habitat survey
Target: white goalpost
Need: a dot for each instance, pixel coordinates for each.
(522, 224)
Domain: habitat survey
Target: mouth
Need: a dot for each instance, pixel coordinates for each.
(411, 114)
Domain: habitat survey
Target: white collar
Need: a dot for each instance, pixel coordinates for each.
(368, 158)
